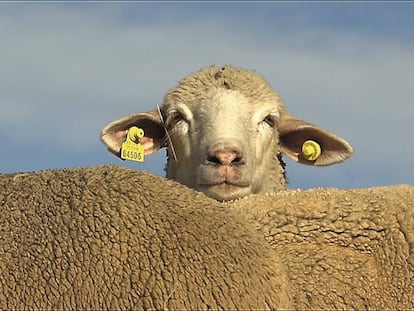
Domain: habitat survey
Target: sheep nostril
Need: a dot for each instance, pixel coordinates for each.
(213, 159)
(237, 160)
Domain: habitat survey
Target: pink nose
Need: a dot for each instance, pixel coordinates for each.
(225, 154)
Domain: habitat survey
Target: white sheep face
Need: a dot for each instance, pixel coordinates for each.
(222, 151)
(226, 129)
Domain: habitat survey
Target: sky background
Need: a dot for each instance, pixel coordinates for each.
(68, 69)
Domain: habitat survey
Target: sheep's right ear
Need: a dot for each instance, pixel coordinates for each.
(114, 134)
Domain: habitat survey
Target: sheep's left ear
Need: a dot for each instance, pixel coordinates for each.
(294, 132)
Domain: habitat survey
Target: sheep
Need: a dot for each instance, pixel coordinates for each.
(225, 130)
(114, 238)
(343, 249)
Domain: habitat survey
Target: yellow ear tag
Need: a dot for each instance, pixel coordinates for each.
(311, 150)
(131, 148)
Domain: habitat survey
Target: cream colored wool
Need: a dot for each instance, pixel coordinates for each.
(343, 249)
(115, 238)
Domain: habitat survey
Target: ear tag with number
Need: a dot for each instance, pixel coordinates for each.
(131, 148)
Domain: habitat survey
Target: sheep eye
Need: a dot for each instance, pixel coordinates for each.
(174, 118)
(269, 120)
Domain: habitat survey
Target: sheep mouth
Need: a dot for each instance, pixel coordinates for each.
(224, 191)
(224, 184)
(211, 178)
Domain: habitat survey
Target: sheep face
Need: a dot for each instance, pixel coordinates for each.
(224, 129)
(224, 143)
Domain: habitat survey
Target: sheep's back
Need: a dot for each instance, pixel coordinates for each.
(342, 248)
(115, 238)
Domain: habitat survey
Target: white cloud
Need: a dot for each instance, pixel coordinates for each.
(66, 72)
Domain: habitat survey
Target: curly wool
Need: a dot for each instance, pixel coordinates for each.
(116, 238)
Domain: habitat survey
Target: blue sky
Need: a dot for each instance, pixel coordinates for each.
(67, 69)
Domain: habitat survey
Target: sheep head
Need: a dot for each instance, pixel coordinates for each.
(225, 129)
